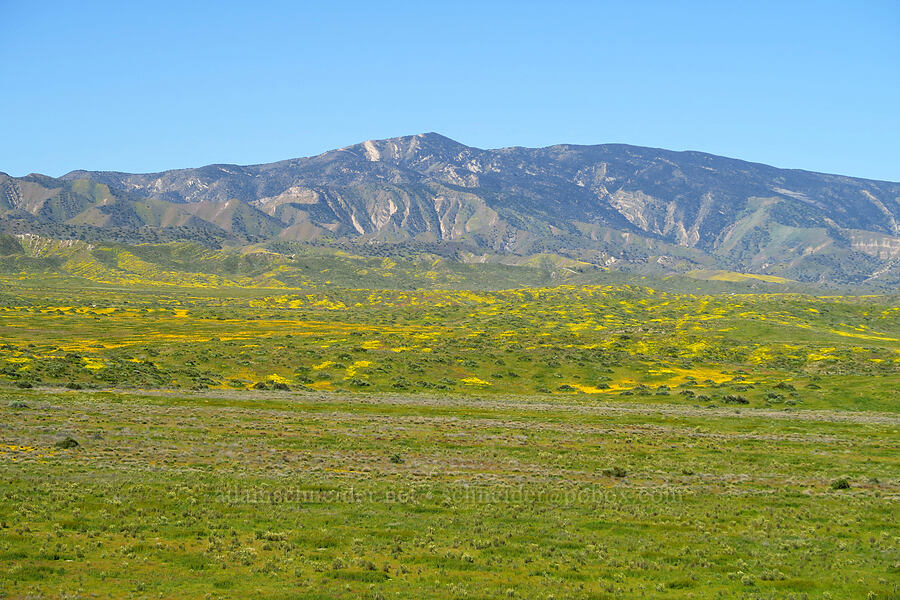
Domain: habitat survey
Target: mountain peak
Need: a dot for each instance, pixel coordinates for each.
(613, 205)
(408, 148)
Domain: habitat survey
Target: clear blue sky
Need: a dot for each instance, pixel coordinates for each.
(157, 85)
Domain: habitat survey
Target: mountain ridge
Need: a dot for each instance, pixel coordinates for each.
(615, 205)
(72, 173)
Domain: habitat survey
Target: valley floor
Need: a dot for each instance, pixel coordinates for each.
(225, 494)
(609, 441)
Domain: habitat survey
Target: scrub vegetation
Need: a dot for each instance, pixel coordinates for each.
(211, 436)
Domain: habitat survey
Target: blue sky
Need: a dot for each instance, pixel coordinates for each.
(156, 85)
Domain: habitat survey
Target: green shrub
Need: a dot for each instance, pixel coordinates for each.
(840, 484)
(67, 443)
(732, 399)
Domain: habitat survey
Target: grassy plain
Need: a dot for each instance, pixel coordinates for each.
(605, 341)
(604, 441)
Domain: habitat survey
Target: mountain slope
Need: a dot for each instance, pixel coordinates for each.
(614, 205)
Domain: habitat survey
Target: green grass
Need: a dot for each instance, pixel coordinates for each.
(602, 342)
(604, 441)
(296, 495)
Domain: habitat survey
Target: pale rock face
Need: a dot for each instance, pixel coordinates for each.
(798, 196)
(372, 153)
(693, 235)
(381, 211)
(883, 247)
(293, 195)
(884, 210)
(593, 177)
(634, 207)
(356, 224)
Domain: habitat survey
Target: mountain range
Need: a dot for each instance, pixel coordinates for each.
(615, 206)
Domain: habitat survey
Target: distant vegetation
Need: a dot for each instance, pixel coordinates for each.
(289, 420)
(330, 264)
(180, 316)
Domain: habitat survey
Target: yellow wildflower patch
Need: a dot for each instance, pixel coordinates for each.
(356, 366)
(864, 336)
(93, 363)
